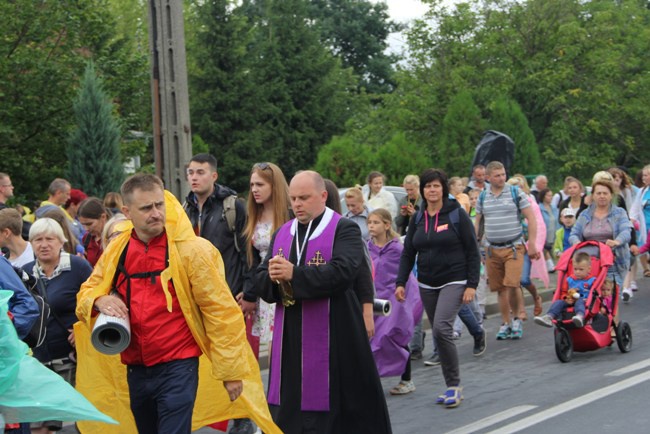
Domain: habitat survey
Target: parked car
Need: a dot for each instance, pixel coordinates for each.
(397, 191)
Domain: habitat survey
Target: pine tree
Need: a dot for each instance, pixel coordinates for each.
(93, 152)
(507, 117)
(461, 128)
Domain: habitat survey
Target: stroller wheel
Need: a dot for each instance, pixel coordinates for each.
(624, 337)
(563, 345)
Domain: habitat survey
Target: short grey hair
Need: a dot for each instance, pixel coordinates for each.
(46, 226)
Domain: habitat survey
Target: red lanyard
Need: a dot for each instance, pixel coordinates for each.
(426, 222)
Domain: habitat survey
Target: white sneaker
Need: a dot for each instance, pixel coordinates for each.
(633, 286)
(578, 321)
(627, 294)
(544, 320)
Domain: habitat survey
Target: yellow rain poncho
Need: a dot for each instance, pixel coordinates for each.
(213, 316)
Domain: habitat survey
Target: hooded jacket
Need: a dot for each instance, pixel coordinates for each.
(215, 229)
(443, 255)
(213, 317)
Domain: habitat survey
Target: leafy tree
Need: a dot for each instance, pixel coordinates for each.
(399, 157)
(224, 99)
(344, 161)
(44, 52)
(94, 163)
(356, 31)
(461, 128)
(507, 117)
(263, 86)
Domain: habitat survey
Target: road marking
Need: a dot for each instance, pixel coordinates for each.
(630, 368)
(572, 404)
(491, 420)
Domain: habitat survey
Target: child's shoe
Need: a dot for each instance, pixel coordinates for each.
(627, 294)
(544, 320)
(578, 320)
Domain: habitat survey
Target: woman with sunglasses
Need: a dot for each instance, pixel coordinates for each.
(268, 209)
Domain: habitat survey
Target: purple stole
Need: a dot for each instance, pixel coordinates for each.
(315, 389)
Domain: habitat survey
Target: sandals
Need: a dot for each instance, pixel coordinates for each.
(523, 315)
(646, 273)
(537, 311)
(452, 397)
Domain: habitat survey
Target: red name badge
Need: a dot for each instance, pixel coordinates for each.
(442, 228)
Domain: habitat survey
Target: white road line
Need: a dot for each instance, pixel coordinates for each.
(572, 404)
(491, 420)
(630, 368)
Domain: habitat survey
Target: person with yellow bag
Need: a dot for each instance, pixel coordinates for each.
(170, 284)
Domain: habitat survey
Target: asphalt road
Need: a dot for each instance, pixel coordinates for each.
(521, 386)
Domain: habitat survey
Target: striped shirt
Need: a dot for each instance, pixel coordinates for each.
(502, 220)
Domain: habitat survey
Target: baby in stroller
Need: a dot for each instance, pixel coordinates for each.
(606, 292)
(579, 285)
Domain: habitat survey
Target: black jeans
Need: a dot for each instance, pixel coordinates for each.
(163, 395)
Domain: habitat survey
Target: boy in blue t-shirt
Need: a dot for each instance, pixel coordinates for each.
(581, 283)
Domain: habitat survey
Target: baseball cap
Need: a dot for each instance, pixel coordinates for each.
(568, 212)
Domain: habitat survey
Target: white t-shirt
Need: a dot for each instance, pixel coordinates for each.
(25, 258)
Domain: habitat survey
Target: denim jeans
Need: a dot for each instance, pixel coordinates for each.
(559, 306)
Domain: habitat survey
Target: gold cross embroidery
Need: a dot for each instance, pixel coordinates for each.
(317, 259)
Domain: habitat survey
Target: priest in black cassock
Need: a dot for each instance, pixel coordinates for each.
(323, 378)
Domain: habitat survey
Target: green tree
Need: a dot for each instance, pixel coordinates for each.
(507, 117)
(460, 132)
(44, 52)
(344, 161)
(264, 87)
(224, 98)
(357, 32)
(399, 157)
(94, 163)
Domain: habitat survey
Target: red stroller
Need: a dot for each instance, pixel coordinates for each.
(596, 332)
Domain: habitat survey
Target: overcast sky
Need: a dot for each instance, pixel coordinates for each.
(404, 11)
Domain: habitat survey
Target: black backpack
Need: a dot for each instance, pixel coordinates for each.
(36, 335)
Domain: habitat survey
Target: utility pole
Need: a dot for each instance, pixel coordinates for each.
(170, 99)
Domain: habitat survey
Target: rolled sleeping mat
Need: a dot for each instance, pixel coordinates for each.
(381, 307)
(111, 335)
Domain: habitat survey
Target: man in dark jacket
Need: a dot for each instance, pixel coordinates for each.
(205, 208)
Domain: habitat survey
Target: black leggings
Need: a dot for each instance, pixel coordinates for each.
(406, 376)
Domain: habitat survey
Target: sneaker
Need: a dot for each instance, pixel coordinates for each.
(403, 388)
(544, 320)
(479, 344)
(578, 320)
(451, 398)
(627, 294)
(242, 426)
(504, 332)
(633, 286)
(416, 355)
(434, 360)
(517, 329)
